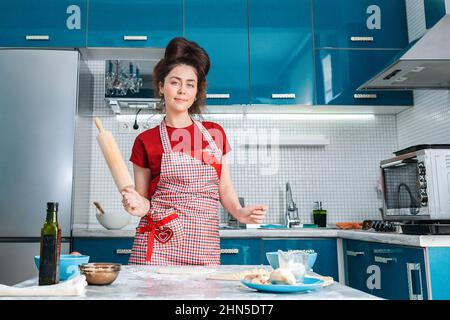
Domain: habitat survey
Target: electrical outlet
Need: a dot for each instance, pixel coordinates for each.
(124, 127)
(145, 125)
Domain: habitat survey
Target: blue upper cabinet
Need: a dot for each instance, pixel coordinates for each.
(134, 23)
(340, 72)
(434, 11)
(51, 23)
(360, 24)
(221, 28)
(281, 52)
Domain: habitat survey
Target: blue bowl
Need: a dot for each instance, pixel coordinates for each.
(68, 265)
(272, 257)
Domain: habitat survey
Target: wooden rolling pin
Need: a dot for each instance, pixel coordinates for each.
(113, 157)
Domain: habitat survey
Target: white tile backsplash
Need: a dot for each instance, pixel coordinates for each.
(428, 122)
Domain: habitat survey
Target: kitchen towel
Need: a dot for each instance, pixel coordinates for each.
(73, 287)
(349, 225)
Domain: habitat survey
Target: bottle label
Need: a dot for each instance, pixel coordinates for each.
(48, 268)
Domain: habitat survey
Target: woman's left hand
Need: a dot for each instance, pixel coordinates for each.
(252, 214)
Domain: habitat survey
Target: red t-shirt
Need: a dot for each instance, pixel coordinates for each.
(147, 149)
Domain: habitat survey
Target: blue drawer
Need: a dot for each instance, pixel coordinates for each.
(115, 250)
(240, 251)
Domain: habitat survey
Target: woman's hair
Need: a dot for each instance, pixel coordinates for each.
(182, 51)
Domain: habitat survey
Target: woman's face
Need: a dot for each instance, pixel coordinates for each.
(179, 88)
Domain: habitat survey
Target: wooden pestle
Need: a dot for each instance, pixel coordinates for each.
(99, 207)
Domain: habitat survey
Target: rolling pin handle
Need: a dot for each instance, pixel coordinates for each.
(98, 124)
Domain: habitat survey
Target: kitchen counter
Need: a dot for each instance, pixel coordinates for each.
(142, 282)
(383, 237)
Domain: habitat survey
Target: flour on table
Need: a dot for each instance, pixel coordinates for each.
(184, 270)
(237, 276)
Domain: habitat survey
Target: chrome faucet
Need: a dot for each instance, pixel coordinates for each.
(291, 214)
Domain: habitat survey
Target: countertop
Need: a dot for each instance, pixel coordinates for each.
(383, 237)
(142, 282)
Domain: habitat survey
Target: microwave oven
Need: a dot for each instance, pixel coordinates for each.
(416, 186)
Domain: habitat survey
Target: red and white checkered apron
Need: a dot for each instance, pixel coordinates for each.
(186, 201)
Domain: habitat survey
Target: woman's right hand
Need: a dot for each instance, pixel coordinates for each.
(134, 203)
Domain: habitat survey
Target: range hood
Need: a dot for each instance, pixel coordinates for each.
(424, 64)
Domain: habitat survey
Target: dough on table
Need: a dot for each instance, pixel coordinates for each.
(282, 276)
(237, 276)
(328, 280)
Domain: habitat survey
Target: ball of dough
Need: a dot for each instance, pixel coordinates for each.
(282, 276)
(257, 278)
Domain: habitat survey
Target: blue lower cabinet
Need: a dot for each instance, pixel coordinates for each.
(340, 72)
(439, 277)
(115, 250)
(357, 262)
(326, 262)
(398, 272)
(240, 251)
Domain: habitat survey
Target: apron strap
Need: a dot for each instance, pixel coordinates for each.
(217, 152)
(165, 137)
(168, 147)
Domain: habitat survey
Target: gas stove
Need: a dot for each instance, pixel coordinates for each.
(380, 226)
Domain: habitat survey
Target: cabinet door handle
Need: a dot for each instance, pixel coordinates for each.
(361, 39)
(135, 38)
(355, 253)
(37, 37)
(365, 96)
(414, 292)
(229, 251)
(218, 96)
(283, 95)
(383, 259)
(123, 251)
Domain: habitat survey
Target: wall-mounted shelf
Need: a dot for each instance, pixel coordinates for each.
(116, 104)
(285, 141)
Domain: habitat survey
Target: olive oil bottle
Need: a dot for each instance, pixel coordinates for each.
(50, 247)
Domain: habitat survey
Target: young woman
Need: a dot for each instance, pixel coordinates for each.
(180, 170)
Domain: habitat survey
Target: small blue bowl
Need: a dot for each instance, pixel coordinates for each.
(68, 265)
(272, 257)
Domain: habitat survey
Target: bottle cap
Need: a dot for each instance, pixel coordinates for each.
(52, 206)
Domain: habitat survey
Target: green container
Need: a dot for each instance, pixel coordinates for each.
(319, 215)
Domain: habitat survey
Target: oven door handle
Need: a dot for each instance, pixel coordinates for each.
(396, 163)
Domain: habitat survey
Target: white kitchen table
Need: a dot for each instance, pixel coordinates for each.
(142, 282)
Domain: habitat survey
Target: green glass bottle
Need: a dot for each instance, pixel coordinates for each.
(50, 247)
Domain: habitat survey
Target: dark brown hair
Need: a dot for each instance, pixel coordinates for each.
(182, 51)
